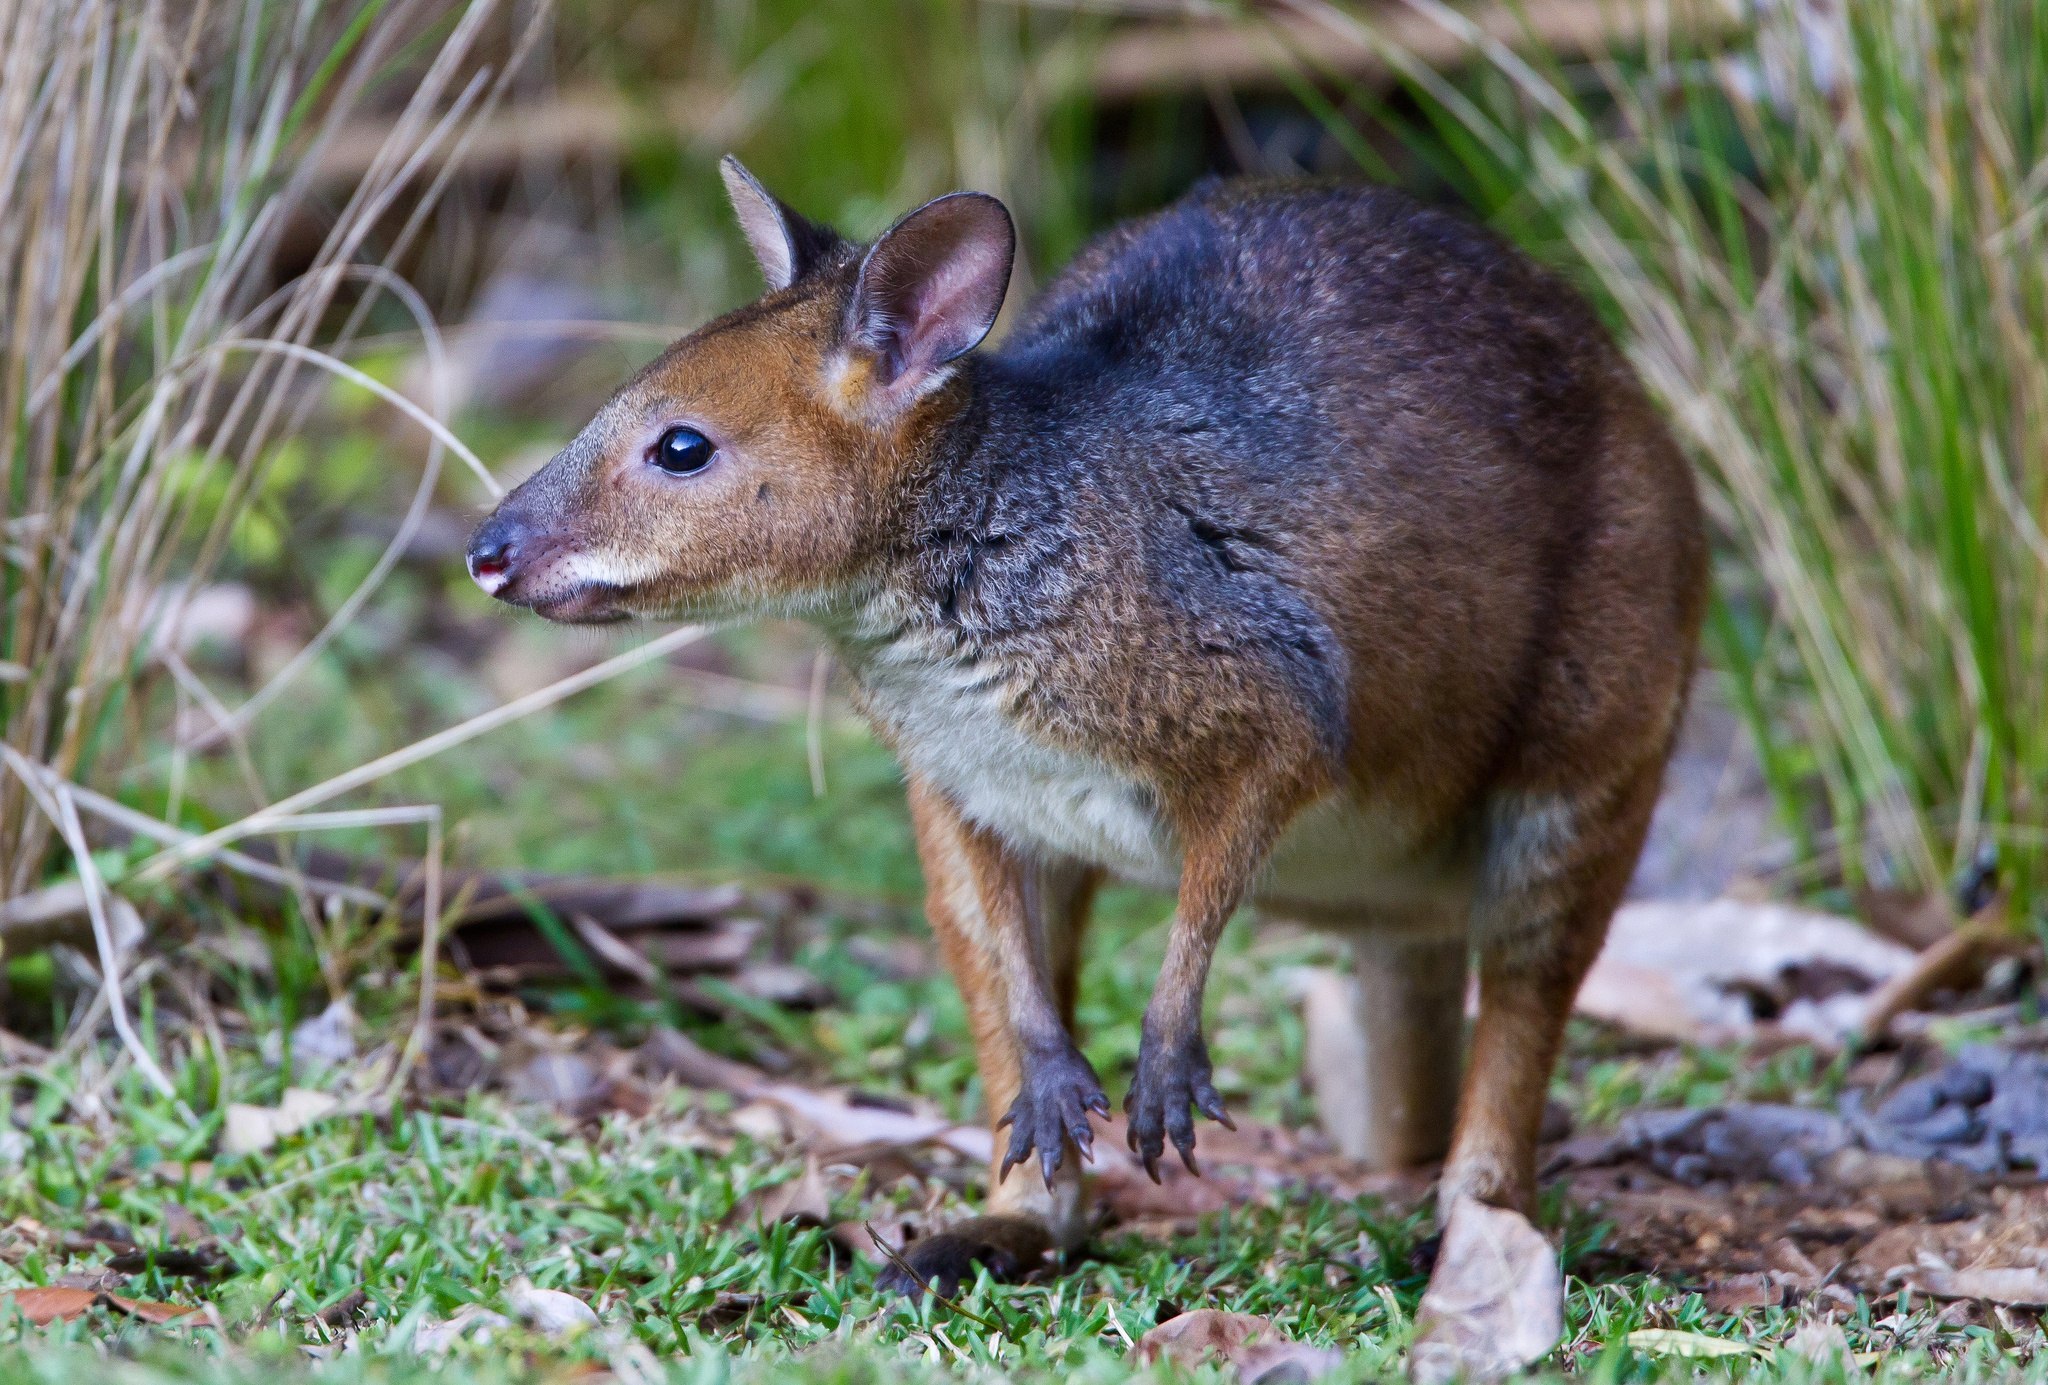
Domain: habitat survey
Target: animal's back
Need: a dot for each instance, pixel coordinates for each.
(1360, 432)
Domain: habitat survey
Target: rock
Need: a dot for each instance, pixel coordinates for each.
(1742, 1141)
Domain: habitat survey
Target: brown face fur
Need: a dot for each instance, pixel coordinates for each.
(782, 517)
(815, 400)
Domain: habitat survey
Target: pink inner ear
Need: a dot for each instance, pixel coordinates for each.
(952, 308)
(932, 286)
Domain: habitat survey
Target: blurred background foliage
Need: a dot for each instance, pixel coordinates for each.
(1816, 227)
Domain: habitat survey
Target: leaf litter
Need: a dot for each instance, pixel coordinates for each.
(1756, 1205)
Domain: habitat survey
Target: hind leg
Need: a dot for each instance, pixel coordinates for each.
(1557, 866)
(1390, 1046)
(970, 913)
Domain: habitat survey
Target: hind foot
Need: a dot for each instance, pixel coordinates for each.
(1008, 1247)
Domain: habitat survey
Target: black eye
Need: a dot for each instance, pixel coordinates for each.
(681, 451)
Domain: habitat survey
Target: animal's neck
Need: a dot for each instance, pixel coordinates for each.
(982, 532)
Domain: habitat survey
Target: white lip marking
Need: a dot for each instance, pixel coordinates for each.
(605, 568)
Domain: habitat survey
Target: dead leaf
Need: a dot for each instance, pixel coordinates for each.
(566, 1081)
(549, 1312)
(1821, 1342)
(1723, 970)
(728, 1307)
(803, 1201)
(344, 1309)
(671, 1053)
(146, 1311)
(57, 1304)
(1741, 1292)
(782, 983)
(1252, 1346)
(253, 1129)
(1189, 1339)
(1495, 1301)
(1668, 1341)
(2014, 1286)
(1912, 918)
(186, 1262)
(1955, 961)
(1286, 1363)
(836, 1123)
(473, 1320)
(460, 1060)
(328, 1040)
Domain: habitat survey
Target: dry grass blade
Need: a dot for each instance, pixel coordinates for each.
(144, 157)
(149, 156)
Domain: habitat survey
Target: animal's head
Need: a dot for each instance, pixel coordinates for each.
(758, 463)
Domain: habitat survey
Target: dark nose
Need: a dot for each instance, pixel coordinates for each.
(494, 552)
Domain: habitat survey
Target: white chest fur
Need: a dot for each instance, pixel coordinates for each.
(952, 724)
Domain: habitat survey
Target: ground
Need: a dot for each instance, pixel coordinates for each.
(692, 1222)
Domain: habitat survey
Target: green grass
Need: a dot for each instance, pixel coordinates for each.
(426, 1213)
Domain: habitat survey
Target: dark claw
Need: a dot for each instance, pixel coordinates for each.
(1172, 1078)
(1051, 1110)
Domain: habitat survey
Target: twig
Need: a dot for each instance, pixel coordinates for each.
(164, 834)
(173, 859)
(814, 721)
(1940, 965)
(1141, 59)
(55, 801)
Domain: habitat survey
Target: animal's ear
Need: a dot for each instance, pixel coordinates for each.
(931, 287)
(786, 245)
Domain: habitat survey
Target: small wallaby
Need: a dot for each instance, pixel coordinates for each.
(1301, 545)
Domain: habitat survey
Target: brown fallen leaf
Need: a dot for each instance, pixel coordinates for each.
(186, 1262)
(1913, 918)
(1956, 960)
(803, 1201)
(57, 1304)
(669, 1052)
(1741, 1292)
(728, 1307)
(1252, 1346)
(1823, 1343)
(345, 1309)
(1495, 1301)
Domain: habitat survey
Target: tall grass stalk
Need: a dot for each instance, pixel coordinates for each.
(151, 154)
(1824, 238)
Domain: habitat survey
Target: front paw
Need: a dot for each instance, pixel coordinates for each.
(1059, 1091)
(1009, 1247)
(1172, 1077)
